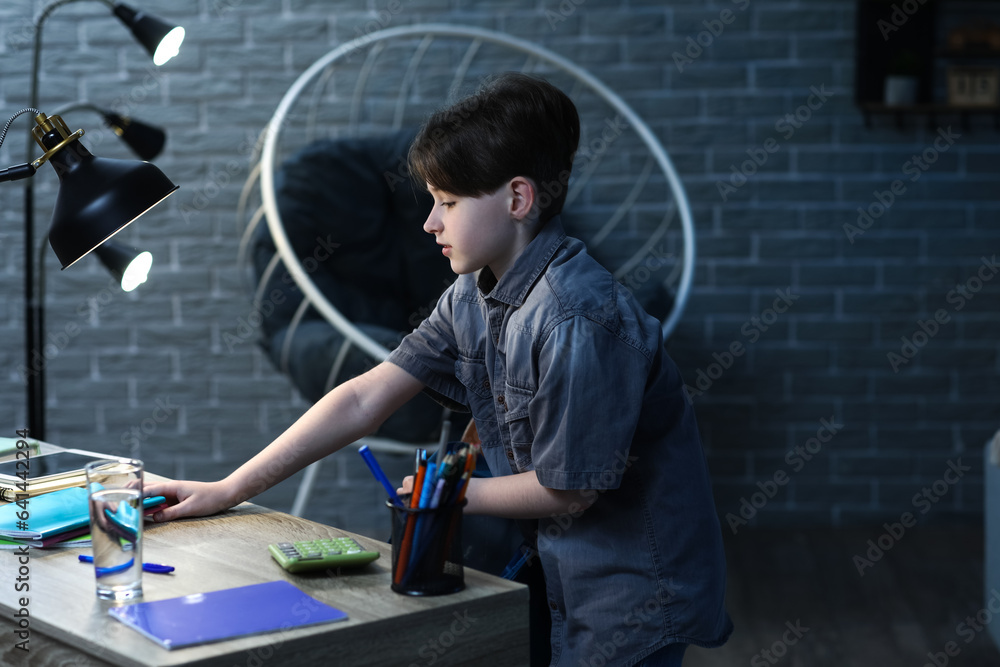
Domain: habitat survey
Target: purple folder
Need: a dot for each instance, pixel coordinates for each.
(233, 612)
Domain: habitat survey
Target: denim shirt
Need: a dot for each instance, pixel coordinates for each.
(567, 376)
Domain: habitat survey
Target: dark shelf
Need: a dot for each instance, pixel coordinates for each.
(977, 54)
(932, 110)
(928, 107)
(919, 44)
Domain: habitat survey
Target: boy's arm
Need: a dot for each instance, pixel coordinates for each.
(519, 496)
(351, 410)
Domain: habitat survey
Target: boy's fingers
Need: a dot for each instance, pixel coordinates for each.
(407, 486)
(169, 513)
(158, 489)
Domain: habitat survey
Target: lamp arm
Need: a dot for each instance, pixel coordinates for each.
(76, 106)
(19, 171)
(10, 121)
(37, 52)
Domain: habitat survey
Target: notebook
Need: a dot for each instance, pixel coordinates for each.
(233, 612)
(52, 514)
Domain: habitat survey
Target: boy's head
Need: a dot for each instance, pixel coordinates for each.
(514, 125)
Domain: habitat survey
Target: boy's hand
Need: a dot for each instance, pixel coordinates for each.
(190, 498)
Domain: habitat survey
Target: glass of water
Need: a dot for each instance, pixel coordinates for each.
(115, 495)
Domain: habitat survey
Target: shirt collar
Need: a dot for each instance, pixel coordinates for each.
(513, 287)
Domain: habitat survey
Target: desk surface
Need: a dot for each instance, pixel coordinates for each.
(487, 623)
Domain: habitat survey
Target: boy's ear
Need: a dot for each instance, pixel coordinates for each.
(523, 193)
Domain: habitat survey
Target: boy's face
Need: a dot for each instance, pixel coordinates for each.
(476, 231)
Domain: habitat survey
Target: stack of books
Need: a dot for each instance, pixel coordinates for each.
(46, 495)
(58, 518)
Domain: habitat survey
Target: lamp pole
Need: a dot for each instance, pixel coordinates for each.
(34, 315)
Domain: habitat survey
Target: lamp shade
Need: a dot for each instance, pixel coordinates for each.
(128, 266)
(145, 140)
(98, 197)
(162, 40)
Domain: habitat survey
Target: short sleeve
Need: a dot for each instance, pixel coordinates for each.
(585, 412)
(428, 353)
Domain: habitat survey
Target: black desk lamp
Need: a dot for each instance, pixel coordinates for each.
(129, 266)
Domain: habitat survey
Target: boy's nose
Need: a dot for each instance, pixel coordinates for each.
(432, 225)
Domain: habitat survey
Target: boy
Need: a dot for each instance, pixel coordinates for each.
(580, 412)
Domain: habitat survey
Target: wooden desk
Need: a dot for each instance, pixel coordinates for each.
(487, 623)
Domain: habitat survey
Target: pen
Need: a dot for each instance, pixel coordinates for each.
(155, 568)
(411, 520)
(463, 484)
(428, 488)
(373, 465)
(438, 490)
(420, 528)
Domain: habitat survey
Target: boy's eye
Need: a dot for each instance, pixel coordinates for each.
(447, 204)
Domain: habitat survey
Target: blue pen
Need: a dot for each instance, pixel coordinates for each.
(373, 465)
(147, 567)
(429, 481)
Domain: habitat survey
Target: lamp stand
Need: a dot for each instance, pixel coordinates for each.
(34, 323)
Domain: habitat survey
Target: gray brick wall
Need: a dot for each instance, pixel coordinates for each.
(812, 313)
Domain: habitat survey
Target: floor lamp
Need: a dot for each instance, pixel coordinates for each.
(162, 41)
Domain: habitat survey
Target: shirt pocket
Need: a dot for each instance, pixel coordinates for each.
(473, 376)
(522, 436)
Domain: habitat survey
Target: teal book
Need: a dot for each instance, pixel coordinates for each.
(50, 514)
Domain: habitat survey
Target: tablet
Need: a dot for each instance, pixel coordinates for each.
(42, 466)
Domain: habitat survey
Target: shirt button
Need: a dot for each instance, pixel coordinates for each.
(510, 454)
(553, 606)
(501, 399)
(486, 384)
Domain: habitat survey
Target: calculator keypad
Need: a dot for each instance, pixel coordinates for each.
(321, 553)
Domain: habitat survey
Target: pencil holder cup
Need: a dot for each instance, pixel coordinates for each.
(427, 549)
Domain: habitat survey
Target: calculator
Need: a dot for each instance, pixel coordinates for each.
(321, 554)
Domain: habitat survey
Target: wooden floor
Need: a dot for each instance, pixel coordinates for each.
(797, 599)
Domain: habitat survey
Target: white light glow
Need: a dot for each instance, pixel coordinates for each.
(137, 271)
(169, 46)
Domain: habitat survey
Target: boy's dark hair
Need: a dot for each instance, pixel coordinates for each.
(514, 125)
